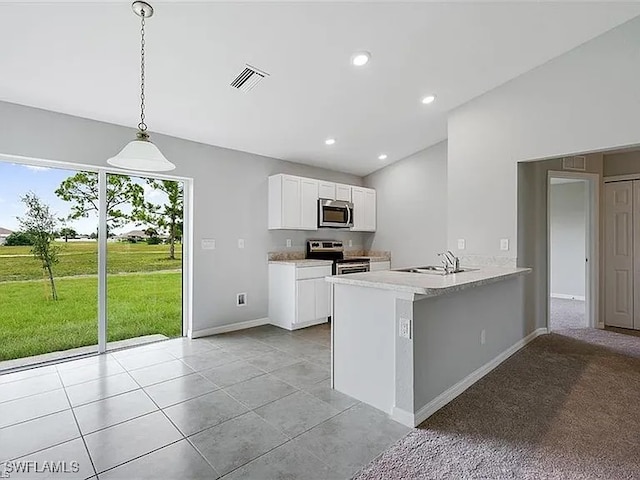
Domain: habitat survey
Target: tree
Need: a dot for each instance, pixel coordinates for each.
(41, 226)
(82, 190)
(167, 217)
(18, 239)
(68, 233)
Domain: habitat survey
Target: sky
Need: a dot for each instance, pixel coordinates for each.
(16, 180)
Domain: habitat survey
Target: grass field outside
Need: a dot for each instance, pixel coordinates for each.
(144, 296)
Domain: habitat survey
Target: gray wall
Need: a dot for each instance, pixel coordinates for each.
(532, 250)
(626, 163)
(412, 207)
(568, 238)
(230, 201)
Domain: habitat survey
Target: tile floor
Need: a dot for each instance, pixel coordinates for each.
(254, 404)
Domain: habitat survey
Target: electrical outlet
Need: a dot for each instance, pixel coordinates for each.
(241, 243)
(483, 337)
(350, 243)
(405, 328)
(288, 243)
(461, 244)
(241, 299)
(208, 244)
(504, 244)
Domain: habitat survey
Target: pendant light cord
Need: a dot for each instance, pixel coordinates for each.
(142, 126)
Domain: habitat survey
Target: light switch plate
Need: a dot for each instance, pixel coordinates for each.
(208, 244)
(461, 244)
(288, 243)
(241, 243)
(504, 244)
(350, 243)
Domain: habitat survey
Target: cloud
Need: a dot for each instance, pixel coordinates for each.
(36, 168)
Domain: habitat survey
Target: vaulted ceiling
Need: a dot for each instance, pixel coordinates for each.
(83, 59)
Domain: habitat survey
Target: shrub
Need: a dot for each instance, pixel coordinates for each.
(18, 239)
(154, 241)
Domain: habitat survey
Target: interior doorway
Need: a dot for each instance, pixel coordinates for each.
(572, 246)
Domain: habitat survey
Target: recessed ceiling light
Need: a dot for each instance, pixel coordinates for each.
(360, 59)
(428, 99)
(330, 141)
(382, 156)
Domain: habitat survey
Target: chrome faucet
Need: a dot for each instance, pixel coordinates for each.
(450, 262)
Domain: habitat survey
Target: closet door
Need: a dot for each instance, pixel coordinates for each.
(619, 247)
(636, 254)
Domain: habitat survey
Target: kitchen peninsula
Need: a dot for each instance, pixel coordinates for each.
(408, 343)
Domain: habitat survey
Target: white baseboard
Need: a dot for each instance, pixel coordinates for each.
(568, 297)
(230, 327)
(445, 397)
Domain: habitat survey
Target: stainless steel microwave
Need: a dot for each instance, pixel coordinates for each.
(335, 213)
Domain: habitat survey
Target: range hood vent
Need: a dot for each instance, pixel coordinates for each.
(578, 163)
(248, 78)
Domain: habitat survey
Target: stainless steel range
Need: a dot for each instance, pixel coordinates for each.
(334, 250)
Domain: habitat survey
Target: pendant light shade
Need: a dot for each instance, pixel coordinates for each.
(141, 154)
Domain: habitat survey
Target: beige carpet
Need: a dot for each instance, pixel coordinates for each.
(565, 407)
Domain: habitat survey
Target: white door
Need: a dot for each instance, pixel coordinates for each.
(305, 300)
(327, 190)
(619, 254)
(309, 204)
(291, 202)
(343, 192)
(636, 254)
(323, 298)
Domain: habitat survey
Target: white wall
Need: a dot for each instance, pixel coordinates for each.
(585, 100)
(230, 201)
(412, 211)
(568, 224)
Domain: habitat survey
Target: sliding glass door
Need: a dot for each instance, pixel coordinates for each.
(48, 264)
(89, 261)
(144, 259)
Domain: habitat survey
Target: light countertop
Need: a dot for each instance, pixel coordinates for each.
(428, 284)
(303, 262)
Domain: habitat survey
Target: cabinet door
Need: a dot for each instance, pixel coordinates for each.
(306, 300)
(376, 266)
(291, 213)
(343, 192)
(309, 204)
(370, 210)
(358, 199)
(323, 294)
(327, 190)
(619, 254)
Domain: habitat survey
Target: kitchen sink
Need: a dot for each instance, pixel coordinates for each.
(434, 270)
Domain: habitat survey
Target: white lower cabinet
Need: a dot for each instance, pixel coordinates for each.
(299, 296)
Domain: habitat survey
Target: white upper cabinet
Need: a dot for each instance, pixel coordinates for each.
(327, 190)
(364, 209)
(293, 202)
(309, 204)
(343, 192)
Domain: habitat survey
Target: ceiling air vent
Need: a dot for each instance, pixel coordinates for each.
(578, 163)
(248, 78)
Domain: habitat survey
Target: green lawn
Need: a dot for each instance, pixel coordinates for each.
(81, 258)
(144, 297)
(139, 304)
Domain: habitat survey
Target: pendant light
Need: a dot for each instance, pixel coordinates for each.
(141, 154)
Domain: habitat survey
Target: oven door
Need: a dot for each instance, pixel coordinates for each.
(346, 268)
(335, 214)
